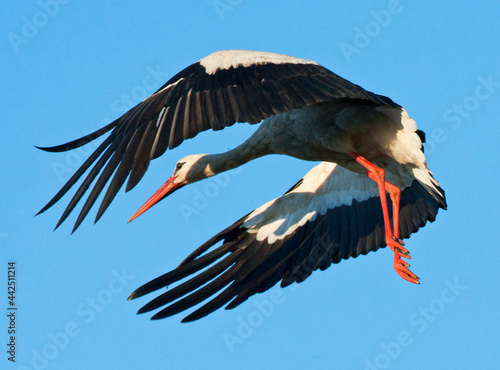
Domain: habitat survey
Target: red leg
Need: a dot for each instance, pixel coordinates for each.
(392, 239)
(395, 194)
(400, 266)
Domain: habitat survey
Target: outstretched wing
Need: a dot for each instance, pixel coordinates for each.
(330, 215)
(215, 92)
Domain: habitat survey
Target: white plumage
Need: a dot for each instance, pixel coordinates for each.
(226, 59)
(326, 186)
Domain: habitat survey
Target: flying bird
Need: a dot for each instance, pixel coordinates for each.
(372, 188)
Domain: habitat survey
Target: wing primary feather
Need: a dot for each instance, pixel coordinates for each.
(126, 163)
(181, 272)
(197, 296)
(190, 285)
(176, 128)
(257, 283)
(199, 110)
(173, 93)
(160, 144)
(76, 176)
(229, 234)
(214, 304)
(145, 111)
(103, 179)
(189, 121)
(81, 141)
(210, 110)
(86, 184)
(142, 157)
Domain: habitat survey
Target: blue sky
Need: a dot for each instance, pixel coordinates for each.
(69, 67)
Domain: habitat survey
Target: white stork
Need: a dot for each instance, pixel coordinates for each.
(368, 146)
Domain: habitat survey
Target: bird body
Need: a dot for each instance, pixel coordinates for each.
(367, 145)
(328, 132)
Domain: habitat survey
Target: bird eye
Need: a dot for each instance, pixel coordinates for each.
(179, 166)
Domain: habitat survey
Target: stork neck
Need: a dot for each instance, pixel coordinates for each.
(236, 157)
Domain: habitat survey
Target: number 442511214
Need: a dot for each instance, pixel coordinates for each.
(11, 283)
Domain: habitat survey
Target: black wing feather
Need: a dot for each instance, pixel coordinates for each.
(143, 156)
(86, 183)
(122, 172)
(76, 176)
(103, 179)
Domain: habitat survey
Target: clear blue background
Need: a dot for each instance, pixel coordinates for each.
(86, 63)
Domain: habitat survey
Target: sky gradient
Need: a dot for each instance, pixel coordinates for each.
(68, 68)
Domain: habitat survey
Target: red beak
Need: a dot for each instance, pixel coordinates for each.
(165, 190)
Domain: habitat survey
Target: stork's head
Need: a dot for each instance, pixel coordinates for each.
(187, 170)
